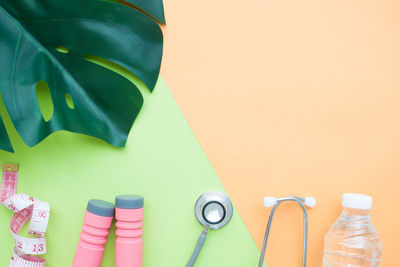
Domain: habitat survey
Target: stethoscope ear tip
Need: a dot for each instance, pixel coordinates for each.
(310, 202)
(269, 201)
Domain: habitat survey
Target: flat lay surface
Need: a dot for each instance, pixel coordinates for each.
(257, 98)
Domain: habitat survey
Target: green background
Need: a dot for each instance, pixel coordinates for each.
(162, 161)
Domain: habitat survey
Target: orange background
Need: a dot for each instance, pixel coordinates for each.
(293, 97)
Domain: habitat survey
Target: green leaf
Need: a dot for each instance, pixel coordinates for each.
(154, 8)
(4, 141)
(55, 41)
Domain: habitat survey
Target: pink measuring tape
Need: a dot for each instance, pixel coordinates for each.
(24, 208)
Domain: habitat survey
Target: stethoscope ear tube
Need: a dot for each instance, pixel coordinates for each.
(269, 201)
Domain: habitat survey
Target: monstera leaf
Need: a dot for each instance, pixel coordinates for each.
(53, 41)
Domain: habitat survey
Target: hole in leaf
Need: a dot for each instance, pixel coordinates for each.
(62, 49)
(69, 100)
(44, 99)
(118, 69)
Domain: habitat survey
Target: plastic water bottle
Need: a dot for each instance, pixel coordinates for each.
(352, 240)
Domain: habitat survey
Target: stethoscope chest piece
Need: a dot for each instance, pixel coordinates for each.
(213, 209)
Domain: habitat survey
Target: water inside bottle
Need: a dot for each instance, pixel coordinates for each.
(353, 241)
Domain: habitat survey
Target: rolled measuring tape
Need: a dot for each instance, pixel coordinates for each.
(25, 208)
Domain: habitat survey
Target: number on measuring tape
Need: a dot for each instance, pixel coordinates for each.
(25, 208)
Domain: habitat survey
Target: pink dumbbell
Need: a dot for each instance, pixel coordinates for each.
(129, 242)
(97, 221)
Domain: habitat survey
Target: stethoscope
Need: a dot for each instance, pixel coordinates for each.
(303, 202)
(214, 210)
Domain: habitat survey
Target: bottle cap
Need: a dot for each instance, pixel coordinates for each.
(101, 208)
(357, 201)
(129, 202)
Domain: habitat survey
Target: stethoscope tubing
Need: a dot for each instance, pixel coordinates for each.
(299, 201)
(199, 246)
